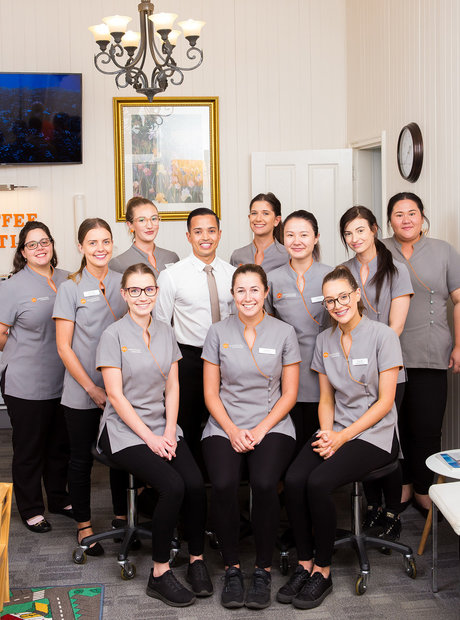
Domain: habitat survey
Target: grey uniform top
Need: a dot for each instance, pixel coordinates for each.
(274, 256)
(375, 348)
(144, 371)
(92, 310)
(33, 368)
(304, 312)
(132, 256)
(434, 269)
(250, 378)
(400, 285)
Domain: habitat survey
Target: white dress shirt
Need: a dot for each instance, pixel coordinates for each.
(184, 297)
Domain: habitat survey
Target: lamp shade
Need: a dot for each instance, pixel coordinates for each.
(100, 32)
(117, 23)
(163, 21)
(191, 27)
(131, 39)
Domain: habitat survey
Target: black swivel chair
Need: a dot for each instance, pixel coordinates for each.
(359, 540)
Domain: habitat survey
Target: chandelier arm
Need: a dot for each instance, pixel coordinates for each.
(157, 56)
(98, 58)
(192, 54)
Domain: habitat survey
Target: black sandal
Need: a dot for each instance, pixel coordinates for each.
(96, 549)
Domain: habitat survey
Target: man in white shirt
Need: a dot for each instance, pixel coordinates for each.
(186, 299)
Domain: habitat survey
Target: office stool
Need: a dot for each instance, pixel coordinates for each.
(127, 534)
(357, 539)
(446, 498)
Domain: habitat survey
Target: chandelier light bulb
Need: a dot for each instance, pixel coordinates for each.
(117, 25)
(163, 21)
(173, 36)
(131, 39)
(100, 32)
(191, 27)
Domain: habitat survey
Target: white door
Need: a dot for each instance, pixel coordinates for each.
(319, 181)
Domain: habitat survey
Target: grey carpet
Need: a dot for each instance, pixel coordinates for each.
(45, 559)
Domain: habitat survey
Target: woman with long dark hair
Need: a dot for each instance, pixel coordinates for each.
(266, 248)
(32, 376)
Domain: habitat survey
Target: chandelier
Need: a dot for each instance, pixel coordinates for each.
(156, 36)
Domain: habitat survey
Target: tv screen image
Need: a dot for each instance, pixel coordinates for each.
(40, 118)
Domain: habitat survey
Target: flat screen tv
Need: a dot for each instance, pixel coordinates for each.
(40, 118)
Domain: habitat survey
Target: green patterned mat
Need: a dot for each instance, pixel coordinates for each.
(58, 602)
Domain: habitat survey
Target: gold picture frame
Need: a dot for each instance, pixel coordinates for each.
(167, 151)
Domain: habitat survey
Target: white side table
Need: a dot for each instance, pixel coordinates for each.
(443, 470)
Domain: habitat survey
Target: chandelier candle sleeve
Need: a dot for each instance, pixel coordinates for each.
(114, 40)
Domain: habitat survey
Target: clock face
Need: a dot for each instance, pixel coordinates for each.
(406, 153)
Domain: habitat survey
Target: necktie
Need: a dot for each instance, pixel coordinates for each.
(213, 296)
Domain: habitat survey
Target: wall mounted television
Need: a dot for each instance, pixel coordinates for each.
(40, 118)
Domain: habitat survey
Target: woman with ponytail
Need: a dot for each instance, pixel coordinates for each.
(266, 248)
(386, 291)
(87, 303)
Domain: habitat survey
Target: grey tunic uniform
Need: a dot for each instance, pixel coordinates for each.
(92, 311)
(434, 269)
(274, 256)
(161, 259)
(375, 348)
(250, 379)
(400, 285)
(34, 370)
(144, 371)
(304, 312)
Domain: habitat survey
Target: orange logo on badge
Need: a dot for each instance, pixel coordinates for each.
(34, 299)
(124, 349)
(325, 354)
(279, 295)
(225, 345)
(83, 301)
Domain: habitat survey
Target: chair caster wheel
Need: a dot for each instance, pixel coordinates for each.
(410, 567)
(361, 584)
(284, 562)
(79, 556)
(128, 571)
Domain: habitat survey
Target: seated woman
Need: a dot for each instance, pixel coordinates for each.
(251, 376)
(358, 366)
(138, 357)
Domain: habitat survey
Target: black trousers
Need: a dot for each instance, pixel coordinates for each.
(266, 464)
(306, 422)
(179, 483)
(309, 484)
(420, 424)
(83, 428)
(40, 452)
(193, 414)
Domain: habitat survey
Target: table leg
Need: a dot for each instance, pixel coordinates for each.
(429, 518)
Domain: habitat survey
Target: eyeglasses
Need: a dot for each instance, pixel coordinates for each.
(154, 219)
(330, 302)
(33, 245)
(136, 291)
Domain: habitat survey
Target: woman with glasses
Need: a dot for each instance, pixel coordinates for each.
(32, 376)
(143, 222)
(358, 361)
(266, 248)
(138, 358)
(251, 377)
(85, 305)
(295, 297)
(386, 291)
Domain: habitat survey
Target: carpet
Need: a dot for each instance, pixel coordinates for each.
(82, 602)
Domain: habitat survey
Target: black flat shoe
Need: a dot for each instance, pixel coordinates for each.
(64, 512)
(404, 505)
(95, 550)
(39, 528)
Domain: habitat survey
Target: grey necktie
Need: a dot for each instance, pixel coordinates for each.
(213, 295)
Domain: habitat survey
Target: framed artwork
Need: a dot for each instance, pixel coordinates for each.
(167, 151)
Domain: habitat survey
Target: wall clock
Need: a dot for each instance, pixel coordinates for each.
(410, 152)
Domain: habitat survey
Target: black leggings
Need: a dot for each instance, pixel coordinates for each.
(83, 428)
(420, 424)
(178, 483)
(305, 418)
(309, 484)
(266, 465)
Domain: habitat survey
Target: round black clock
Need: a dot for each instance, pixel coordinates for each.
(410, 152)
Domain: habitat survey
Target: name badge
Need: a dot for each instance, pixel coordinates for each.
(267, 351)
(43, 299)
(235, 346)
(334, 354)
(91, 293)
(315, 300)
(134, 350)
(363, 361)
(167, 265)
(289, 295)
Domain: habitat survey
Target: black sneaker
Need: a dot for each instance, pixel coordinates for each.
(198, 577)
(233, 592)
(314, 592)
(391, 527)
(258, 595)
(373, 518)
(296, 582)
(169, 590)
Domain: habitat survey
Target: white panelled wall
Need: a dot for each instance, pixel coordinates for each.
(402, 66)
(278, 70)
